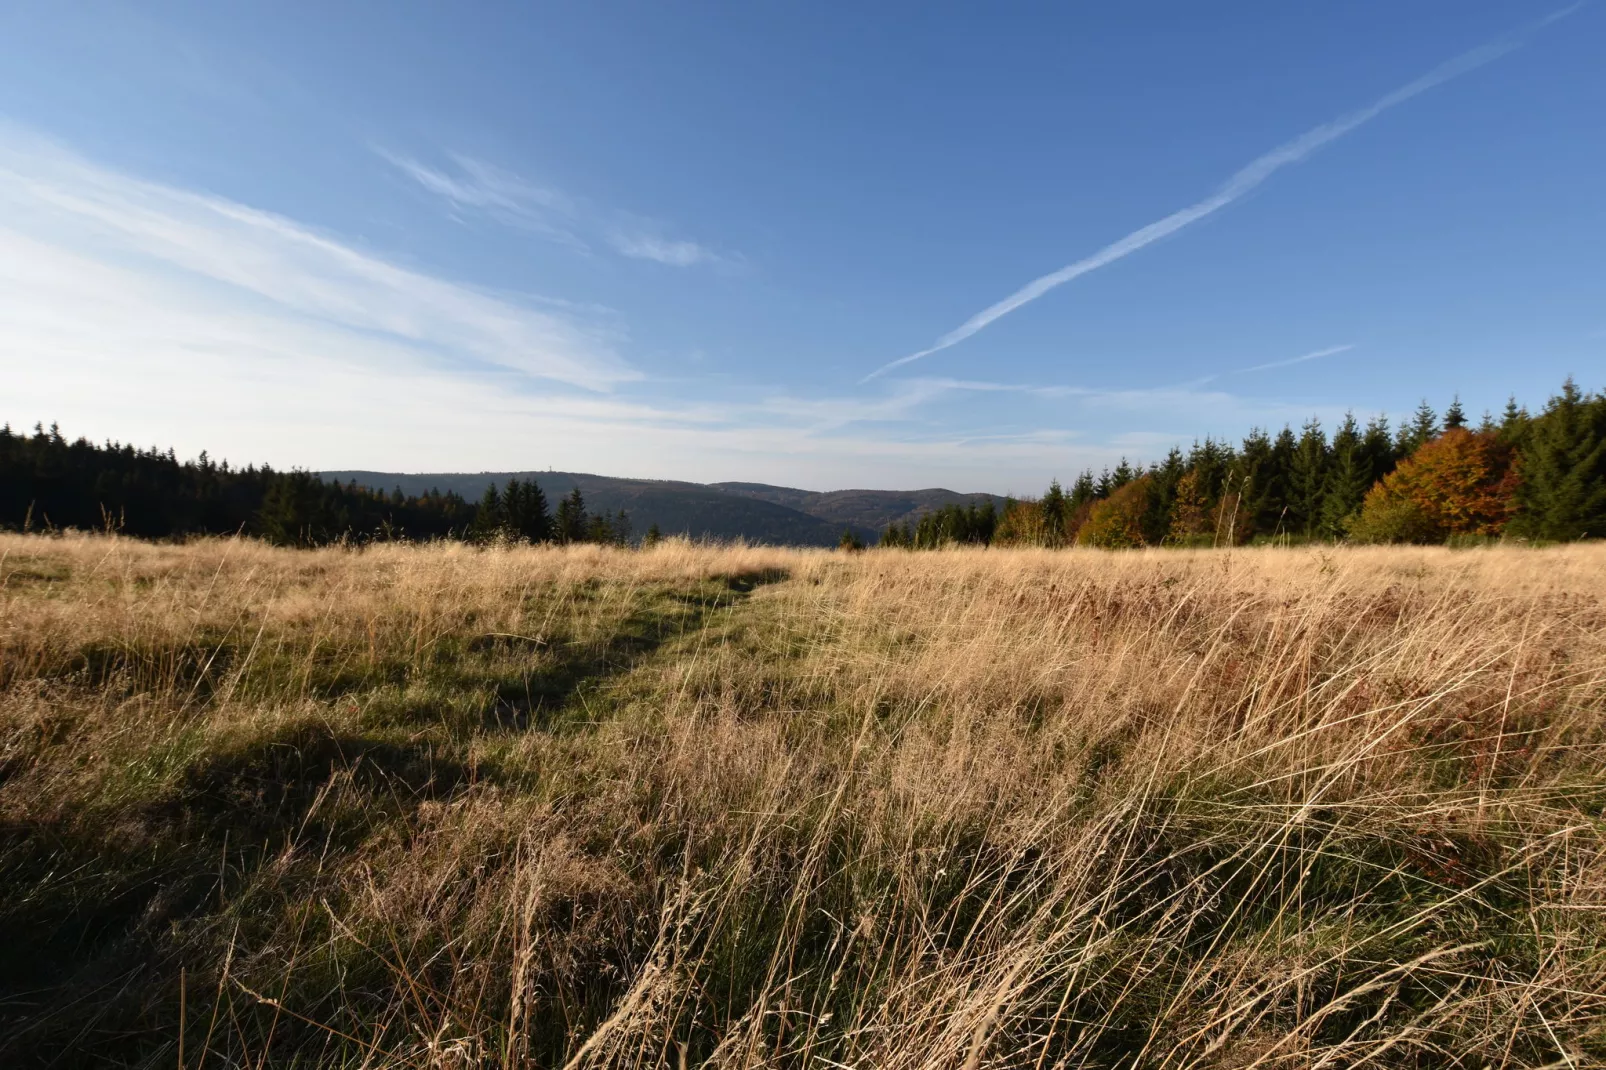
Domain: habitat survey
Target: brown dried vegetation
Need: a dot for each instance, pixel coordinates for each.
(580, 807)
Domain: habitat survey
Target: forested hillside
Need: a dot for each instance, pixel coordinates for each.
(861, 509)
(1532, 476)
(674, 507)
(1536, 476)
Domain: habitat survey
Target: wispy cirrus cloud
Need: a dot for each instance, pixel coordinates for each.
(1245, 180)
(644, 246)
(151, 313)
(505, 197)
(473, 185)
(240, 263)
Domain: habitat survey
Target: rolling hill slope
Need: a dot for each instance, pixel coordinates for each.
(756, 512)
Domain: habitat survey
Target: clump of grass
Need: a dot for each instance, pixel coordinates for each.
(438, 806)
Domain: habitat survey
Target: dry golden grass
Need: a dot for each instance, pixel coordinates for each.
(743, 807)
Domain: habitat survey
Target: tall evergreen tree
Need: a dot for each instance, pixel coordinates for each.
(1254, 477)
(1377, 448)
(571, 522)
(1083, 492)
(525, 508)
(1056, 511)
(1307, 481)
(1349, 477)
(1563, 469)
(490, 519)
(1105, 486)
(1423, 426)
(1164, 480)
(1454, 416)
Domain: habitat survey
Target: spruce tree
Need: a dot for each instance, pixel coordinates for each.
(1349, 477)
(1083, 491)
(1307, 480)
(570, 524)
(1454, 416)
(1423, 426)
(1254, 478)
(489, 519)
(1563, 490)
(1056, 511)
(525, 506)
(1164, 479)
(1377, 448)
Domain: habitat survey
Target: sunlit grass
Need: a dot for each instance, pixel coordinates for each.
(442, 806)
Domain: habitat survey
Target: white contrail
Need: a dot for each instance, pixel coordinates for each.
(1239, 184)
(1318, 355)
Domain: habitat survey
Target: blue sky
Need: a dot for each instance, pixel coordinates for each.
(693, 241)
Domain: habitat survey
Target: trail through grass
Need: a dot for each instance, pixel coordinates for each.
(438, 806)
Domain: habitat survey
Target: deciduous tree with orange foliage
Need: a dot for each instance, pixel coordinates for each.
(1458, 483)
(1117, 522)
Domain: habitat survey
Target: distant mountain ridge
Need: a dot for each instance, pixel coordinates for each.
(756, 512)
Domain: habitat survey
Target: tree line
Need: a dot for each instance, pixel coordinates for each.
(1537, 476)
(50, 483)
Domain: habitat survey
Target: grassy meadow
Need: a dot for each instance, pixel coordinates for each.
(443, 806)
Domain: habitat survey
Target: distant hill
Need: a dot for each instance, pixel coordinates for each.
(753, 511)
(873, 509)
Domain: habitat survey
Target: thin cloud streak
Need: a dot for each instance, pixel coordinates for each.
(660, 250)
(480, 187)
(243, 258)
(1247, 179)
(1331, 351)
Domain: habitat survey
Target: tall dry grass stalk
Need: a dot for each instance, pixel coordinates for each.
(742, 807)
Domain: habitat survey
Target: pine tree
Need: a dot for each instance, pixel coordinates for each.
(1307, 479)
(1253, 477)
(524, 510)
(1377, 448)
(1083, 492)
(1563, 469)
(653, 537)
(1164, 478)
(490, 520)
(1420, 431)
(1454, 417)
(570, 524)
(1349, 477)
(1056, 511)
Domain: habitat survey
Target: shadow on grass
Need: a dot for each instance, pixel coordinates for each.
(99, 907)
(103, 904)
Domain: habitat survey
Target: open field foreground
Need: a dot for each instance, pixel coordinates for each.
(448, 807)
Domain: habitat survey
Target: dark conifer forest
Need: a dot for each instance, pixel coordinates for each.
(50, 483)
(1534, 476)
(1538, 476)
